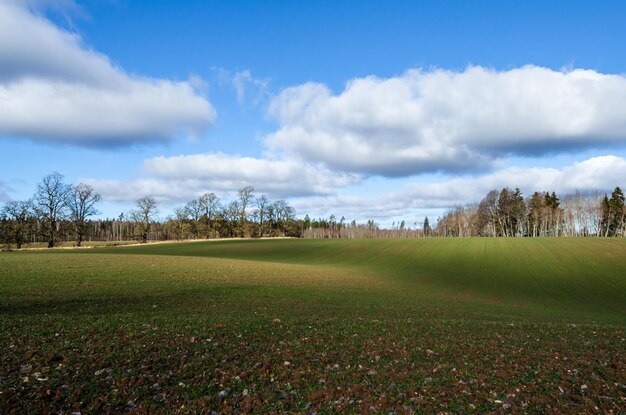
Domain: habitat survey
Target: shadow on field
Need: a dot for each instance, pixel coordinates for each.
(180, 301)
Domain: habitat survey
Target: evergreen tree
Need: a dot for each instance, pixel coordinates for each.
(505, 202)
(554, 213)
(518, 213)
(605, 216)
(615, 220)
(18, 221)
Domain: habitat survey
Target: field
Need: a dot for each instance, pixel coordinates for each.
(85, 244)
(303, 326)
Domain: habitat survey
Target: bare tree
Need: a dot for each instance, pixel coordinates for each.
(144, 215)
(82, 201)
(181, 216)
(210, 207)
(262, 203)
(50, 205)
(488, 214)
(193, 210)
(231, 215)
(245, 199)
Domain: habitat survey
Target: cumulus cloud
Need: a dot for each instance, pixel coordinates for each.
(595, 174)
(130, 190)
(439, 120)
(287, 177)
(180, 178)
(312, 189)
(52, 87)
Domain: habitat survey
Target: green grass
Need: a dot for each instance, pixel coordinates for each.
(71, 244)
(415, 326)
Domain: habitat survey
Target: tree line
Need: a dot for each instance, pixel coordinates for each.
(507, 213)
(341, 228)
(56, 210)
(504, 213)
(247, 216)
(61, 212)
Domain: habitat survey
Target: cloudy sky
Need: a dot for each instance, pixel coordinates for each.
(359, 109)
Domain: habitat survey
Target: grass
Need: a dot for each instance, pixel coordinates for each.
(84, 244)
(411, 326)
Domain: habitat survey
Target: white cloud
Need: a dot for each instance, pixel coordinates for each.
(595, 174)
(52, 87)
(228, 172)
(243, 82)
(315, 190)
(130, 190)
(181, 178)
(439, 120)
(248, 88)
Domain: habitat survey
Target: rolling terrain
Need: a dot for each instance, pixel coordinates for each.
(373, 326)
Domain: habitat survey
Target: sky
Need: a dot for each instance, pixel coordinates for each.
(369, 110)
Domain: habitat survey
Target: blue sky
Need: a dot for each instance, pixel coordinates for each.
(363, 109)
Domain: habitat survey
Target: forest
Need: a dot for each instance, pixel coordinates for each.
(504, 213)
(60, 212)
(508, 214)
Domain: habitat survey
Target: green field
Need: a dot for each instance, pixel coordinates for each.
(358, 326)
(85, 244)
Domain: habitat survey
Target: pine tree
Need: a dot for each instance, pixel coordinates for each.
(615, 222)
(518, 213)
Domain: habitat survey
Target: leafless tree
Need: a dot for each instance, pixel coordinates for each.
(209, 207)
(144, 215)
(193, 211)
(246, 197)
(50, 204)
(182, 216)
(82, 201)
(231, 216)
(488, 214)
(262, 202)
